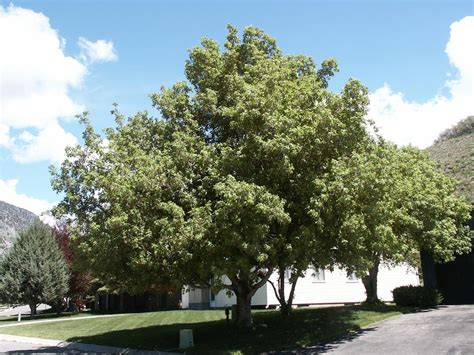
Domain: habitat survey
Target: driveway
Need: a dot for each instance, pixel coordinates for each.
(447, 330)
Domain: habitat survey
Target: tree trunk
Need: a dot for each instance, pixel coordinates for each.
(370, 284)
(32, 309)
(285, 303)
(59, 306)
(291, 297)
(244, 309)
(244, 291)
(284, 309)
(428, 270)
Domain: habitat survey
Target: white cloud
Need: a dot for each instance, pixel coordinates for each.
(98, 51)
(9, 194)
(36, 78)
(48, 144)
(419, 123)
(4, 135)
(36, 75)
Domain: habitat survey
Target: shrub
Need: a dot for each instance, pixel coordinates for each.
(416, 296)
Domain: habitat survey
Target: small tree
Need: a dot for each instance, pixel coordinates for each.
(34, 270)
(80, 281)
(384, 205)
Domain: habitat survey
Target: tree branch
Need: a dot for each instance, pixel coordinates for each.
(292, 292)
(261, 282)
(275, 290)
(229, 287)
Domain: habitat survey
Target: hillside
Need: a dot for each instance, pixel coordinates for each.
(12, 220)
(454, 151)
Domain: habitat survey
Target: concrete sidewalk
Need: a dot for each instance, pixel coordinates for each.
(13, 343)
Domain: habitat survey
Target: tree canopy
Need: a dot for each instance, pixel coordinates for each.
(221, 182)
(384, 205)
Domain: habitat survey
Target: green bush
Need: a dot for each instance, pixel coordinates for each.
(416, 296)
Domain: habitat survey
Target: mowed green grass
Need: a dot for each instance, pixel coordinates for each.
(160, 330)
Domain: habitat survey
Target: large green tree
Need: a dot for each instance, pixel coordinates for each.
(384, 205)
(34, 270)
(219, 185)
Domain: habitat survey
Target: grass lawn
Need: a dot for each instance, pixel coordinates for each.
(159, 330)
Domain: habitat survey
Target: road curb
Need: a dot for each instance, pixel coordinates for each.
(77, 346)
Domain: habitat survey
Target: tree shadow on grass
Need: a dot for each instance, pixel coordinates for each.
(304, 328)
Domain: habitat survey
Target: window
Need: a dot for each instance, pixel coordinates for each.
(352, 277)
(318, 275)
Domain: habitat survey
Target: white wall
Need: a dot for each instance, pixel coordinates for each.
(389, 278)
(336, 288)
(185, 297)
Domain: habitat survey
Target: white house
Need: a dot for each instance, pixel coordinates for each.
(317, 287)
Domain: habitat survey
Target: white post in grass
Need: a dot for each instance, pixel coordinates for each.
(19, 317)
(186, 338)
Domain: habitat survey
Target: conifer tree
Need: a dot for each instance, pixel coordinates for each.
(34, 270)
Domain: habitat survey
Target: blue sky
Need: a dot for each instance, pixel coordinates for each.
(121, 51)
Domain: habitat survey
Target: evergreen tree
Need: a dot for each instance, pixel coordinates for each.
(34, 270)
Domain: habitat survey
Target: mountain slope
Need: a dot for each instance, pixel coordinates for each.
(12, 221)
(454, 151)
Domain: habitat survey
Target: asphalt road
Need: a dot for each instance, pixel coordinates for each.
(27, 346)
(24, 310)
(16, 347)
(11, 344)
(447, 330)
